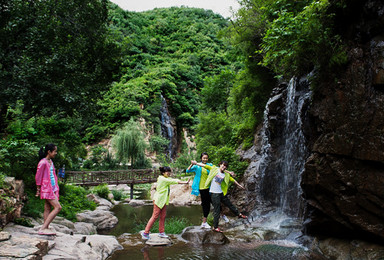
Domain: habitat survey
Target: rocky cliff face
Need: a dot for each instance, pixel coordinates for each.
(12, 199)
(344, 174)
(277, 158)
(343, 178)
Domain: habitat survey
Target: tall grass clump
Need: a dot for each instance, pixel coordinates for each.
(173, 225)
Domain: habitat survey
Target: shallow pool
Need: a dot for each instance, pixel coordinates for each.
(134, 248)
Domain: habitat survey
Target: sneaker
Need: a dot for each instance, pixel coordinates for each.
(217, 230)
(205, 225)
(163, 235)
(243, 216)
(224, 217)
(145, 236)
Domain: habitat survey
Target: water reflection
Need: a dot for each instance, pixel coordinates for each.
(160, 253)
(236, 251)
(239, 247)
(130, 216)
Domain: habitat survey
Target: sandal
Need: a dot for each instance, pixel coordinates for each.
(217, 230)
(243, 216)
(46, 232)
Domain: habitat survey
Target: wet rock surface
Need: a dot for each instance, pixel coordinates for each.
(197, 235)
(344, 174)
(155, 240)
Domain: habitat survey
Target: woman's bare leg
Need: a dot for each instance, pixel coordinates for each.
(47, 210)
(56, 209)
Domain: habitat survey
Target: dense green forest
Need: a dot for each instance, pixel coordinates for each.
(74, 72)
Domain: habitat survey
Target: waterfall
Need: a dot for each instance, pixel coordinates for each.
(294, 152)
(167, 130)
(284, 151)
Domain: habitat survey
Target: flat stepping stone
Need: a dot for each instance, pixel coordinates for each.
(197, 235)
(155, 240)
(4, 236)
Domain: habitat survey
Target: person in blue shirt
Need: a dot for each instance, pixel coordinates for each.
(201, 175)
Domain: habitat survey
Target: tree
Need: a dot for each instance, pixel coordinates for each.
(130, 145)
(55, 55)
(214, 95)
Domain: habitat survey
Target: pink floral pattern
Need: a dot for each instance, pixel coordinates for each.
(44, 181)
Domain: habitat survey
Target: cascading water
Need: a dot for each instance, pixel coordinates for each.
(294, 152)
(284, 151)
(167, 130)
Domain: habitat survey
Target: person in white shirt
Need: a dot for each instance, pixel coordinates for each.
(218, 182)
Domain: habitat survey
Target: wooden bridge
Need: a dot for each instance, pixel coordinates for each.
(94, 178)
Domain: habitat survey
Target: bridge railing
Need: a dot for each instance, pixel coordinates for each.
(94, 178)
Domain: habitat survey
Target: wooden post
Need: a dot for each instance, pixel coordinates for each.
(131, 190)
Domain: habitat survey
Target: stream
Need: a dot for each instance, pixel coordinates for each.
(245, 243)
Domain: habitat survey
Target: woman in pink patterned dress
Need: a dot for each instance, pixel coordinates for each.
(47, 187)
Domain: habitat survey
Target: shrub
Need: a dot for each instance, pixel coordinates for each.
(34, 207)
(102, 190)
(228, 154)
(181, 163)
(117, 194)
(72, 199)
(210, 219)
(24, 222)
(18, 158)
(158, 143)
(2, 177)
(297, 41)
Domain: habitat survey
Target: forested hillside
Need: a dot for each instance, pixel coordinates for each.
(178, 54)
(165, 52)
(75, 72)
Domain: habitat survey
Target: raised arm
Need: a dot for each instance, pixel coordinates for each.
(231, 173)
(189, 167)
(200, 164)
(238, 184)
(184, 182)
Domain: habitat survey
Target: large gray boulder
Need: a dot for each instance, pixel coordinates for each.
(19, 242)
(102, 219)
(101, 202)
(23, 247)
(197, 235)
(82, 247)
(85, 228)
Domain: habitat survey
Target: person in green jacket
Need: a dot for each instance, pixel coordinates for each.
(218, 183)
(161, 200)
(201, 175)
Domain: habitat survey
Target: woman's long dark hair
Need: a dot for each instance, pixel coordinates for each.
(164, 169)
(44, 151)
(202, 154)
